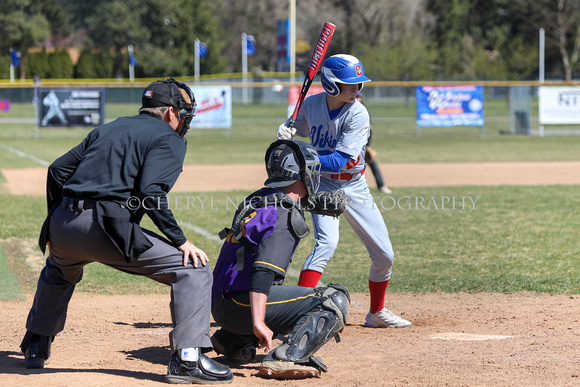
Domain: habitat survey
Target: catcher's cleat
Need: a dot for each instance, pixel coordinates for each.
(222, 346)
(202, 371)
(385, 319)
(278, 369)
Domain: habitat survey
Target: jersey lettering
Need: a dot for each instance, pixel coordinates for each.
(351, 164)
(322, 140)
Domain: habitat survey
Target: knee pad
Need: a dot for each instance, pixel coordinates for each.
(336, 299)
(319, 327)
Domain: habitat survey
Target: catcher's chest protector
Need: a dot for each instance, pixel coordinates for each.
(297, 224)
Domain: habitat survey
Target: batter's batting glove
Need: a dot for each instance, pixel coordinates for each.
(285, 133)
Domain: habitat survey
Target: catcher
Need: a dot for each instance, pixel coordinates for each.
(249, 302)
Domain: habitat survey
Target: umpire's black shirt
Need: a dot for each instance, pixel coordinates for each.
(139, 156)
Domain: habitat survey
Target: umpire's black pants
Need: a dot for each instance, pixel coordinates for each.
(77, 240)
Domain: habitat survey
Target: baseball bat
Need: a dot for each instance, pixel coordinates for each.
(315, 61)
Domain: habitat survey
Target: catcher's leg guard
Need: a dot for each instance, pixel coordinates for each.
(336, 299)
(319, 327)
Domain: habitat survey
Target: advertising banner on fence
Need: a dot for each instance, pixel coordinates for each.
(445, 106)
(214, 106)
(294, 92)
(559, 105)
(71, 107)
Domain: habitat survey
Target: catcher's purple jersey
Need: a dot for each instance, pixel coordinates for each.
(270, 244)
(347, 133)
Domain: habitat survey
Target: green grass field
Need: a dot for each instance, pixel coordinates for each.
(516, 238)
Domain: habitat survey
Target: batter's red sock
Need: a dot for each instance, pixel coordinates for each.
(309, 278)
(377, 291)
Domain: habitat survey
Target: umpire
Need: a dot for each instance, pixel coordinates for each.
(97, 194)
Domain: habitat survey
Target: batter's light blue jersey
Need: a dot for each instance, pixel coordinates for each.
(347, 133)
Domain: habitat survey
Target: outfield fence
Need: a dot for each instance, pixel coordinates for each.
(520, 98)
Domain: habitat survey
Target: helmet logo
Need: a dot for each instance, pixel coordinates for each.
(358, 69)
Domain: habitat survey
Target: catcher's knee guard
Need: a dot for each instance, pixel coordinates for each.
(336, 299)
(319, 327)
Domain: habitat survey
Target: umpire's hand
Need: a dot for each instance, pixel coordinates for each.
(190, 250)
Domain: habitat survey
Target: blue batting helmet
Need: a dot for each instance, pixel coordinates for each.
(342, 68)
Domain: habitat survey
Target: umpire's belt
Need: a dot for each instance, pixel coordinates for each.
(345, 176)
(78, 204)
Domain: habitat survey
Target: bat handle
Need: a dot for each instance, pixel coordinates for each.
(291, 122)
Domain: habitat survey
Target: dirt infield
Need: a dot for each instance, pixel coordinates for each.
(460, 339)
(210, 178)
(456, 340)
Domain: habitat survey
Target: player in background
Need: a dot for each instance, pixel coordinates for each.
(338, 127)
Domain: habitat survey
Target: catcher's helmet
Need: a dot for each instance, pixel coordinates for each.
(342, 68)
(288, 161)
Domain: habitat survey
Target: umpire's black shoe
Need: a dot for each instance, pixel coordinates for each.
(37, 352)
(202, 371)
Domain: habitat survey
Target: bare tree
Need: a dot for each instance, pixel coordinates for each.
(561, 21)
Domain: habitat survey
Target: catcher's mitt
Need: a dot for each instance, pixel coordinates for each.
(330, 203)
(370, 155)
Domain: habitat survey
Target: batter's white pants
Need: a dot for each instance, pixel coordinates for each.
(367, 222)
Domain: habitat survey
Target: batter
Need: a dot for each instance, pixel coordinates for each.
(338, 127)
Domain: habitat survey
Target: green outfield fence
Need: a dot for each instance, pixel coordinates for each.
(271, 89)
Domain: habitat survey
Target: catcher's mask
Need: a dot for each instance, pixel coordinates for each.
(172, 93)
(288, 161)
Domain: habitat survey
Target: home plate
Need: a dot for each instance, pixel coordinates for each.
(467, 337)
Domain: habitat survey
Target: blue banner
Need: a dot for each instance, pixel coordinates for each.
(445, 106)
(283, 41)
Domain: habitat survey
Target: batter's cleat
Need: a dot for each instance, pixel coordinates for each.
(385, 319)
(386, 190)
(202, 371)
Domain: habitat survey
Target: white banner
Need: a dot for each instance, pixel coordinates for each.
(214, 106)
(559, 105)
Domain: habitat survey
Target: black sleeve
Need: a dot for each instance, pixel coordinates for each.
(262, 279)
(61, 170)
(160, 172)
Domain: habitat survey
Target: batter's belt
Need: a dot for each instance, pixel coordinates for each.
(346, 176)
